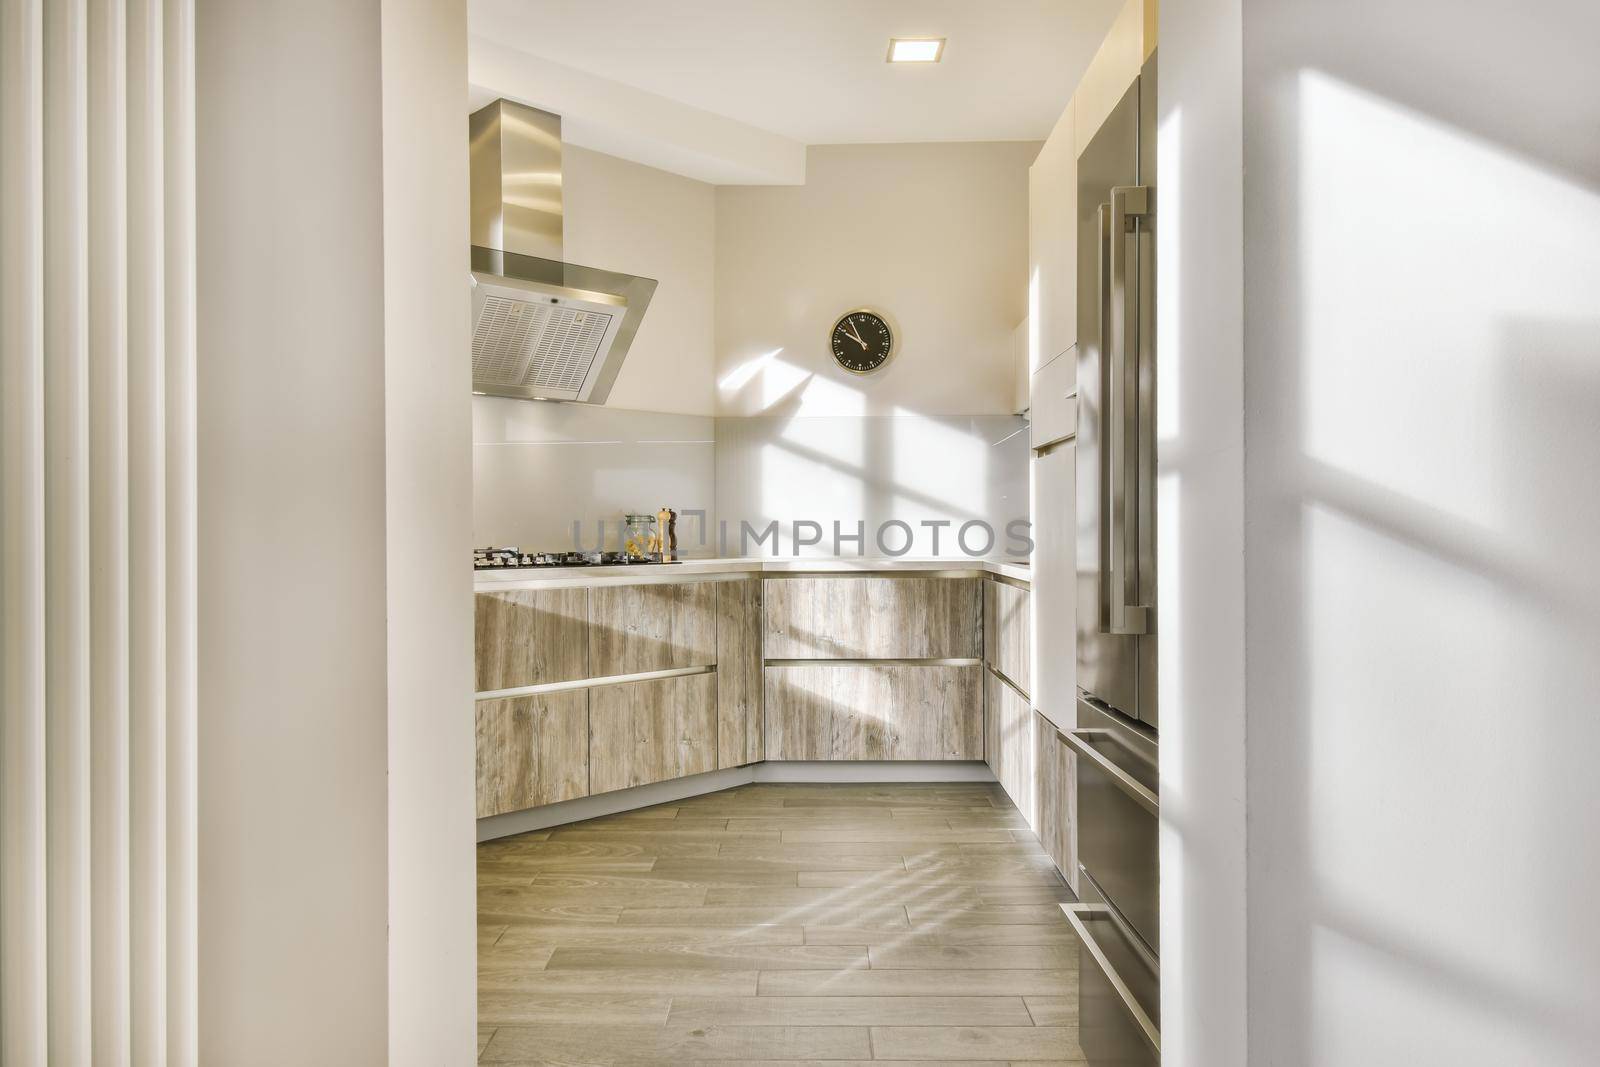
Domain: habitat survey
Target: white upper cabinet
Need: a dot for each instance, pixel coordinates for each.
(1052, 246)
(1052, 322)
(1053, 413)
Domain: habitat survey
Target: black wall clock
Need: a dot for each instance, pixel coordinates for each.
(862, 341)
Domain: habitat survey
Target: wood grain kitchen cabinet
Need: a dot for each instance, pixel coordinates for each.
(1008, 632)
(739, 734)
(876, 711)
(1008, 743)
(650, 731)
(531, 750)
(1056, 798)
(638, 628)
(530, 637)
(873, 618)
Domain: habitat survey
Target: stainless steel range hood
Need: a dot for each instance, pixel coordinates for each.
(542, 328)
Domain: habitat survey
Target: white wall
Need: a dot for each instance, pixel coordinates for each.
(1200, 536)
(627, 217)
(293, 724)
(433, 1004)
(1422, 371)
(933, 234)
(335, 879)
(780, 272)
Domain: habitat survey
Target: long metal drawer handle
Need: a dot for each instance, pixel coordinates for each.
(1146, 1027)
(1125, 781)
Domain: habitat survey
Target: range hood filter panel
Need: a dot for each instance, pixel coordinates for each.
(526, 345)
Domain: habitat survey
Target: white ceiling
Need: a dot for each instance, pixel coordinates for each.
(813, 71)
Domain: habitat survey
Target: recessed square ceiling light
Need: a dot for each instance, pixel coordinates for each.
(915, 49)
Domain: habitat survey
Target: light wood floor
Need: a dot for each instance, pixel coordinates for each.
(779, 923)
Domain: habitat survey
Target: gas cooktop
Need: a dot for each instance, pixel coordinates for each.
(494, 559)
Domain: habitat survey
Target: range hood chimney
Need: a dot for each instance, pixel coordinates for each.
(542, 328)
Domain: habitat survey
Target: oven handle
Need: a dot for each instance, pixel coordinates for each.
(1074, 913)
(1124, 781)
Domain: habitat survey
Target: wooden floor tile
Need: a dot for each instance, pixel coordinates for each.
(975, 1042)
(886, 983)
(518, 1008)
(850, 1011)
(674, 1044)
(987, 957)
(729, 956)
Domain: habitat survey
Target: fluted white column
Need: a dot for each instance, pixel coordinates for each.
(108, 527)
(97, 541)
(23, 937)
(66, 206)
(183, 1028)
(147, 562)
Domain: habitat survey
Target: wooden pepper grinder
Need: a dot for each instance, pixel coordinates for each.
(667, 524)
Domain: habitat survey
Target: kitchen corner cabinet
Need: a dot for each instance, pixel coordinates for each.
(739, 730)
(650, 731)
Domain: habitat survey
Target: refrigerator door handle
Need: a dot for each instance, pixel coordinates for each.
(1078, 741)
(1121, 353)
(1108, 414)
(1075, 914)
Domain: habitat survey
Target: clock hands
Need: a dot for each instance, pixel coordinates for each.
(856, 336)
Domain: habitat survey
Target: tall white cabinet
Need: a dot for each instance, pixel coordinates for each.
(1052, 402)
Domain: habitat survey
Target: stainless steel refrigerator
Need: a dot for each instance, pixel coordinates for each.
(1116, 738)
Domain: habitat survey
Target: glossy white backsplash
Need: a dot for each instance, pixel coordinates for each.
(920, 470)
(538, 468)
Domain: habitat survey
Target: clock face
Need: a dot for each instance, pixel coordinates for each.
(861, 341)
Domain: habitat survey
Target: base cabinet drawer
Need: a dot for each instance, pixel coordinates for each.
(876, 711)
(874, 618)
(1119, 990)
(643, 732)
(532, 750)
(530, 637)
(639, 628)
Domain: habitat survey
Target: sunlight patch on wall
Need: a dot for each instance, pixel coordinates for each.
(1406, 392)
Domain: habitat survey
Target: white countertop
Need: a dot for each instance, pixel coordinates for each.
(642, 573)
